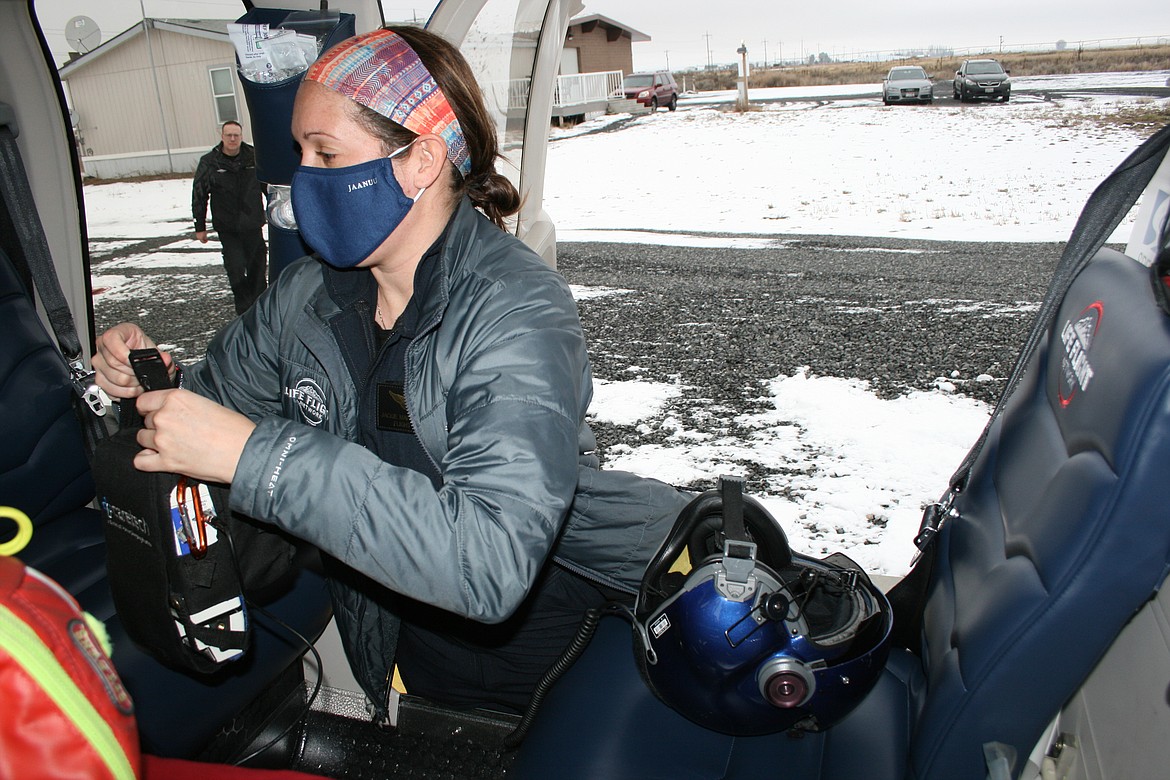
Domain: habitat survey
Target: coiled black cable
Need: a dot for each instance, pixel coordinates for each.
(584, 635)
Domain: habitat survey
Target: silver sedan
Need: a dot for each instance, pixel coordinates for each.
(907, 84)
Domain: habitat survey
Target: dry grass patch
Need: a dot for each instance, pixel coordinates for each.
(1149, 115)
(1122, 59)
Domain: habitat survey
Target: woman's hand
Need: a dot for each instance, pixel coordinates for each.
(188, 434)
(111, 361)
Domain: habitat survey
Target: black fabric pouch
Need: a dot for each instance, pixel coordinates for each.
(181, 564)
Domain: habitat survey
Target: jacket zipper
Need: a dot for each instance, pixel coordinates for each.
(592, 576)
(410, 416)
(22, 643)
(372, 372)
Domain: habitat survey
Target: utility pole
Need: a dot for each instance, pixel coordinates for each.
(742, 103)
(162, 116)
(765, 52)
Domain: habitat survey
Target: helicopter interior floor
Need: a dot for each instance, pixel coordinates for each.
(428, 743)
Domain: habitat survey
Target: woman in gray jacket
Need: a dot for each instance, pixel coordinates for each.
(414, 406)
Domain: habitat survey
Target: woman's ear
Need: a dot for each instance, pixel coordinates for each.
(430, 153)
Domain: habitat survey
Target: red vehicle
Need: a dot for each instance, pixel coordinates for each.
(652, 89)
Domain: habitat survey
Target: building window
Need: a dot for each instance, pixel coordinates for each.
(223, 90)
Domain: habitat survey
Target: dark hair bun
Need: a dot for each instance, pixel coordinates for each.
(494, 194)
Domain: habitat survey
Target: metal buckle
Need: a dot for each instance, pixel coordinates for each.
(87, 389)
(933, 518)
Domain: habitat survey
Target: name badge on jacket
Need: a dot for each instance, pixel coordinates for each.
(392, 415)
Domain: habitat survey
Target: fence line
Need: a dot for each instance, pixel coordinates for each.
(570, 90)
(1002, 47)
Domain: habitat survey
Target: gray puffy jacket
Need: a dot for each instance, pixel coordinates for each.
(498, 382)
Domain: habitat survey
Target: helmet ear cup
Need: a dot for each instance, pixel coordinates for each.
(786, 682)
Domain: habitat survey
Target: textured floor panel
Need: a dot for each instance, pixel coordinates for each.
(428, 745)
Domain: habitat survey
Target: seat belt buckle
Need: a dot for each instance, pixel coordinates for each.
(928, 529)
(933, 517)
(85, 385)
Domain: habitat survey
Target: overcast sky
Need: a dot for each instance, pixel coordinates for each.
(679, 29)
(688, 33)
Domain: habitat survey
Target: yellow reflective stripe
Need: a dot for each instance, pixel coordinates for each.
(22, 643)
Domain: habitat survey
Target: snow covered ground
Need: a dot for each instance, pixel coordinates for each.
(700, 176)
(1006, 172)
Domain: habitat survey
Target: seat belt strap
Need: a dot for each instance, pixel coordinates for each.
(26, 222)
(33, 261)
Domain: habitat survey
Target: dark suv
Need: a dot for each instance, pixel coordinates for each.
(652, 88)
(982, 79)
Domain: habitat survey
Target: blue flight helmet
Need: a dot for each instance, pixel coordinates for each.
(755, 639)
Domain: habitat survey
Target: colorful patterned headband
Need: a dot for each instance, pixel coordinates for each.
(382, 72)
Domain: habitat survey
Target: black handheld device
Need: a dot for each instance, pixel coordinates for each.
(150, 369)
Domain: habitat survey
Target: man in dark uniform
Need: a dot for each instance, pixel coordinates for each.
(227, 175)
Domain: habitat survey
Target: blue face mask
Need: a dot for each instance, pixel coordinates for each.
(346, 213)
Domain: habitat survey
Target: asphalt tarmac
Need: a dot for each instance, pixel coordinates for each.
(902, 315)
